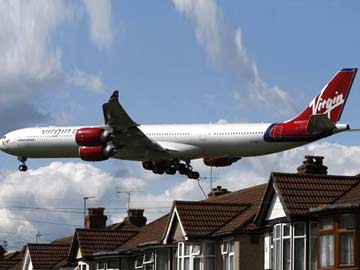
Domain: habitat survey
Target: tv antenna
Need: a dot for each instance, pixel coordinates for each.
(85, 201)
(128, 193)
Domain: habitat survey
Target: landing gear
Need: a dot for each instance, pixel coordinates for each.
(171, 167)
(22, 167)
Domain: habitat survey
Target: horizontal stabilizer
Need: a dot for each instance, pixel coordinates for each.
(319, 123)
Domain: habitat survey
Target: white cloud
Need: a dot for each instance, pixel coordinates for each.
(226, 50)
(27, 63)
(100, 22)
(86, 80)
(56, 186)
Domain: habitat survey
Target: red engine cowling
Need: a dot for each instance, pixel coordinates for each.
(92, 153)
(91, 136)
(219, 161)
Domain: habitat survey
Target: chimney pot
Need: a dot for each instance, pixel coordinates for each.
(136, 217)
(218, 191)
(312, 165)
(95, 218)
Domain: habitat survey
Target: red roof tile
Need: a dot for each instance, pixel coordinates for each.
(298, 193)
(200, 219)
(12, 261)
(99, 240)
(46, 256)
(251, 196)
(151, 233)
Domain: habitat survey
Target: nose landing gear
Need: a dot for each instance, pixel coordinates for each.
(22, 167)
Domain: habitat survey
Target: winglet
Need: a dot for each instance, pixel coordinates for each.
(115, 96)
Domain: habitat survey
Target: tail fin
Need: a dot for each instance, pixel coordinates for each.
(332, 98)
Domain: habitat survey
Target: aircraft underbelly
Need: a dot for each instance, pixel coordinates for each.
(46, 149)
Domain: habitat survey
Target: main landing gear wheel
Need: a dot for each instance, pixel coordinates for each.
(171, 167)
(22, 167)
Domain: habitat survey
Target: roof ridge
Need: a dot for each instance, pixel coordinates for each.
(212, 203)
(317, 175)
(46, 244)
(104, 230)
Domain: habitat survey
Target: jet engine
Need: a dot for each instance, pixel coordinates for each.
(220, 161)
(93, 153)
(92, 136)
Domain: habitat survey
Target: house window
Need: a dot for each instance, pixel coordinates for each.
(148, 262)
(337, 241)
(347, 235)
(139, 262)
(101, 265)
(289, 246)
(162, 259)
(299, 230)
(228, 252)
(112, 265)
(125, 264)
(196, 256)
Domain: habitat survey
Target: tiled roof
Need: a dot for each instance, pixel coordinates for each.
(200, 219)
(251, 196)
(46, 256)
(12, 261)
(350, 197)
(151, 233)
(99, 240)
(298, 193)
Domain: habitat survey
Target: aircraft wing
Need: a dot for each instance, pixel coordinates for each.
(126, 136)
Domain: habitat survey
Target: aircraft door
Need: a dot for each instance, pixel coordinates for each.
(203, 135)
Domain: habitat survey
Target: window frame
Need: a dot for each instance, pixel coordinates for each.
(336, 231)
(228, 254)
(200, 255)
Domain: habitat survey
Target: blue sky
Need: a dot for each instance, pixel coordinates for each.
(180, 61)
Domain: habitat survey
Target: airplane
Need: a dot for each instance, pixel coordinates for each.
(170, 148)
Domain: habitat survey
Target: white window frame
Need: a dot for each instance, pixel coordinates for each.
(292, 238)
(227, 254)
(82, 264)
(198, 255)
(136, 266)
(299, 237)
(98, 264)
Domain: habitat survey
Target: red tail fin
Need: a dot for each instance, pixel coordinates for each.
(332, 98)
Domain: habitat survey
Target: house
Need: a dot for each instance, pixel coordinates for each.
(213, 234)
(296, 221)
(97, 237)
(310, 219)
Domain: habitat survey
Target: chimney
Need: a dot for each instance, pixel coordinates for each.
(312, 165)
(95, 219)
(2, 253)
(218, 191)
(136, 217)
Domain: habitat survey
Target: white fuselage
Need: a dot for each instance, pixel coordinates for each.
(181, 141)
